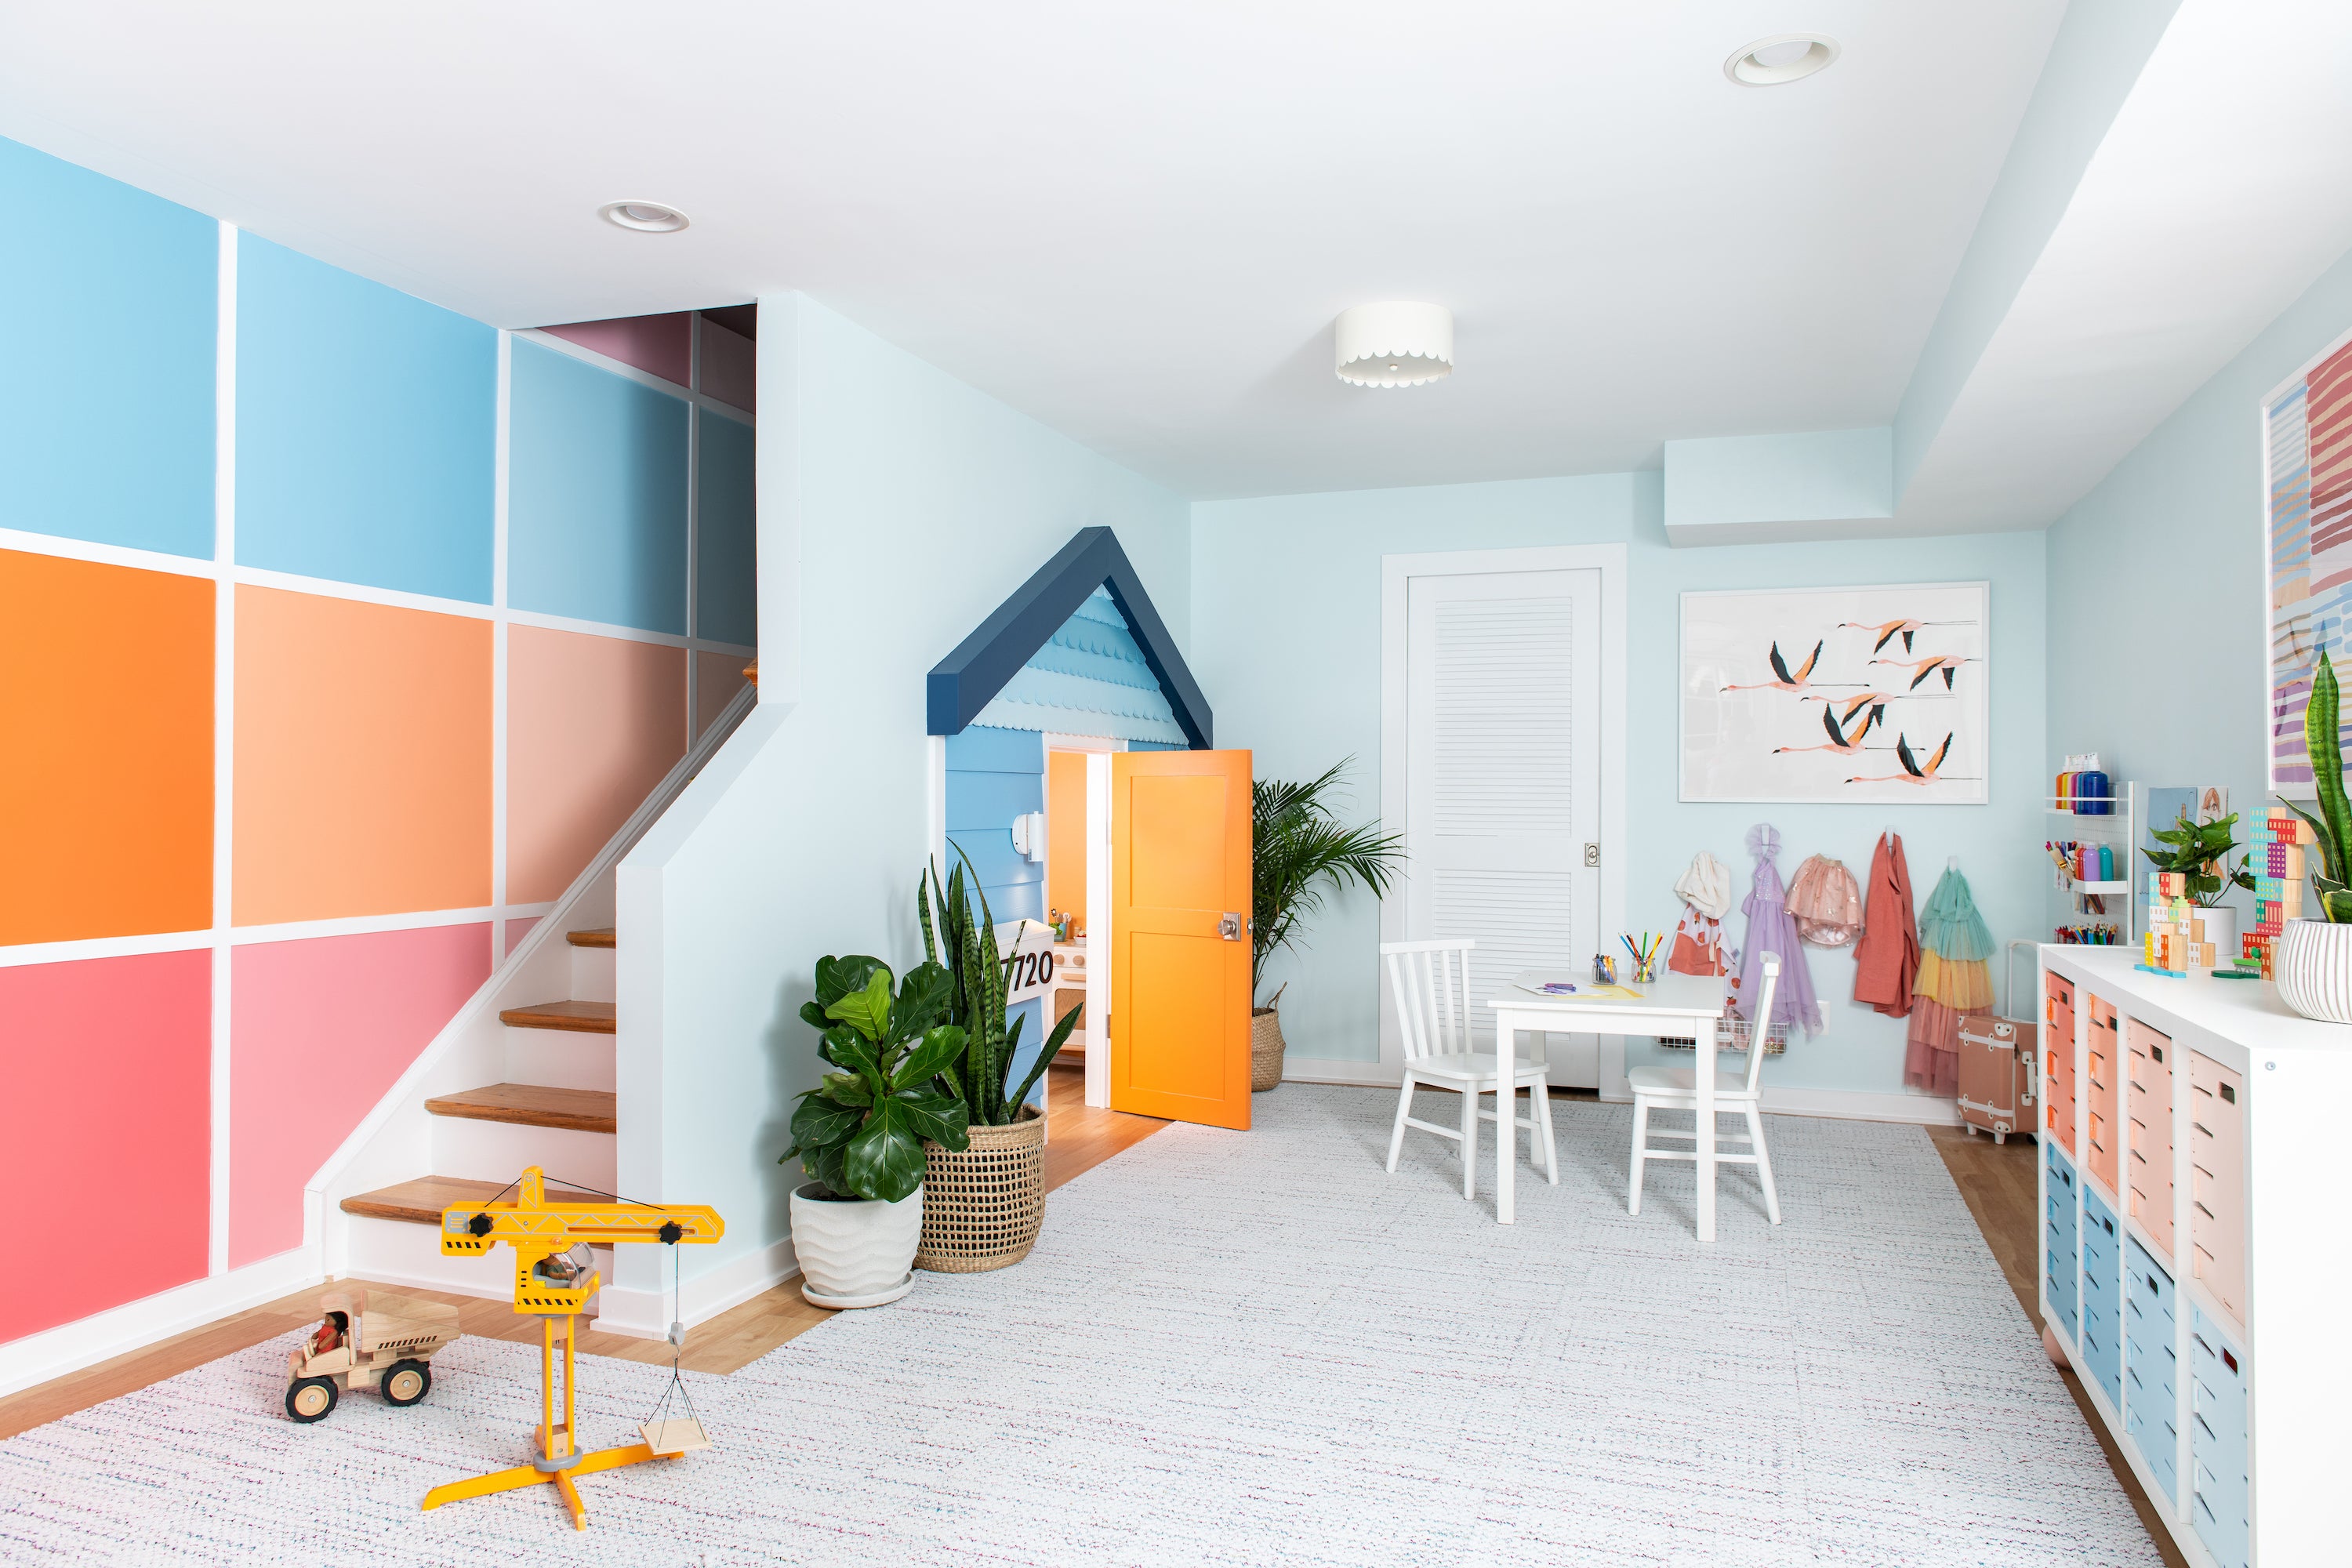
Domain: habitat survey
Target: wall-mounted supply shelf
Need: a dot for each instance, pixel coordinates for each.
(2117, 827)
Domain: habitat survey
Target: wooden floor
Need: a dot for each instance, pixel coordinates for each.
(1998, 1181)
(1081, 1139)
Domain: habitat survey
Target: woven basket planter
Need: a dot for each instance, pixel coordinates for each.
(982, 1204)
(1266, 1050)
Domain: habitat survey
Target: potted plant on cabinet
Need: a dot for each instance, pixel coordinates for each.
(1299, 850)
(2314, 961)
(2200, 853)
(984, 1200)
(859, 1134)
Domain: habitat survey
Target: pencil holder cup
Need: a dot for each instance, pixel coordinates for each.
(1646, 973)
(1604, 969)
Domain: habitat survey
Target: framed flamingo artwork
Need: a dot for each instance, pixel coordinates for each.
(1836, 694)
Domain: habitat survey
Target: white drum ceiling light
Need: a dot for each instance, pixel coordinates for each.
(1394, 344)
(1785, 57)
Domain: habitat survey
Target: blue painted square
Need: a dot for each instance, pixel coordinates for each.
(366, 430)
(596, 504)
(105, 359)
(725, 583)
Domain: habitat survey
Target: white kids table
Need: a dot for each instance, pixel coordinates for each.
(1673, 1004)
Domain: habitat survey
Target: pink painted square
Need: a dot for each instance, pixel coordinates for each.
(592, 723)
(322, 1029)
(730, 373)
(106, 1129)
(658, 345)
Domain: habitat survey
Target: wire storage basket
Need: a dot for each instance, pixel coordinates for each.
(982, 1204)
(1734, 1035)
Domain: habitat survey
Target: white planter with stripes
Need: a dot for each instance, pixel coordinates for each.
(855, 1252)
(2313, 967)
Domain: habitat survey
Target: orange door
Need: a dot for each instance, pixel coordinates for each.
(1180, 975)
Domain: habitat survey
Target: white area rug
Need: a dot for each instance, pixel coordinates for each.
(1236, 1348)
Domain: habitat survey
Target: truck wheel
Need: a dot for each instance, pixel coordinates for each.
(406, 1381)
(309, 1398)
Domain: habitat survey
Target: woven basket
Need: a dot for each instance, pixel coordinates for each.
(1266, 1050)
(982, 1205)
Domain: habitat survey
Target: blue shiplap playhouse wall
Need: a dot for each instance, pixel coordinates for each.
(1107, 667)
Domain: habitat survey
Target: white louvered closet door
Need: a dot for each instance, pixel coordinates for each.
(1503, 773)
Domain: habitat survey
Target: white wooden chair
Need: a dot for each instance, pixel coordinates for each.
(1431, 983)
(1677, 1088)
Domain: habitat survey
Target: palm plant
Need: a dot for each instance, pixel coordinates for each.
(975, 967)
(1300, 852)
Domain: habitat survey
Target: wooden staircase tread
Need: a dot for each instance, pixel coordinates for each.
(600, 936)
(580, 1017)
(420, 1202)
(533, 1105)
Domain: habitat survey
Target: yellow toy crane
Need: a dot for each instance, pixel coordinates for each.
(554, 1276)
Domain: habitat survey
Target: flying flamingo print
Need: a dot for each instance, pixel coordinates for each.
(1843, 742)
(1889, 630)
(1924, 668)
(1786, 683)
(1913, 772)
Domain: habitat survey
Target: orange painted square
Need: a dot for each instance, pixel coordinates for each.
(592, 723)
(106, 750)
(362, 759)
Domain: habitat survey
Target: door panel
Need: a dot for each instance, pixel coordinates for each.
(1503, 770)
(1179, 1012)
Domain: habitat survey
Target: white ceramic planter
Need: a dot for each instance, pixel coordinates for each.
(855, 1252)
(2222, 931)
(2314, 968)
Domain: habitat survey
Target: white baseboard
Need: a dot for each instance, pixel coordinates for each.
(1842, 1104)
(1323, 1070)
(1862, 1105)
(84, 1343)
(645, 1314)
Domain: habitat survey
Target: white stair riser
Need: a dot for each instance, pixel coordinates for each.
(498, 1152)
(595, 974)
(398, 1252)
(559, 1058)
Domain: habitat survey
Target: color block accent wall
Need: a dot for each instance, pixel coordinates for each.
(287, 764)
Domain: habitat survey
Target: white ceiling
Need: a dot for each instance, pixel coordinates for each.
(1133, 223)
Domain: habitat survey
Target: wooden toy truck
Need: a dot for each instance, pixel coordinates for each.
(375, 1340)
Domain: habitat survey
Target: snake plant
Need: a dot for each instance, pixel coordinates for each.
(977, 970)
(2333, 824)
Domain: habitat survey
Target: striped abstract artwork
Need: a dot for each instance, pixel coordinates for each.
(2307, 430)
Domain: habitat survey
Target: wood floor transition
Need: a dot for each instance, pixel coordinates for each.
(1996, 1180)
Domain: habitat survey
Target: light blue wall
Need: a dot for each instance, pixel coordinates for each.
(106, 358)
(596, 518)
(897, 508)
(726, 586)
(994, 776)
(366, 429)
(1286, 637)
(2158, 617)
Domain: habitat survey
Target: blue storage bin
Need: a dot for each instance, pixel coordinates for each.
(2216, 1442)
(2151, 1358)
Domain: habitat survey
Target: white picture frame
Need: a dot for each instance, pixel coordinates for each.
(1864, 695)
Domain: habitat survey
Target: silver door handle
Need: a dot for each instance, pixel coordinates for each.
(1229, 926)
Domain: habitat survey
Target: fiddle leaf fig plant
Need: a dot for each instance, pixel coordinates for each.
(860, 1131)
(2322, 738)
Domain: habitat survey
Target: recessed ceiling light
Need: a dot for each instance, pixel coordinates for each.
(645, 217)
(1784, 56)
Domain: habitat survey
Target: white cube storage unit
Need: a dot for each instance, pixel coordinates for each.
(2199, 1302)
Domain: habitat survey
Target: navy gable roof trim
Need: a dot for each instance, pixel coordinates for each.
(964, 682)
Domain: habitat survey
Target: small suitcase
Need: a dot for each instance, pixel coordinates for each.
(1999, 1068)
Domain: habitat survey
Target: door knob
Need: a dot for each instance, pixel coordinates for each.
(1229, 926)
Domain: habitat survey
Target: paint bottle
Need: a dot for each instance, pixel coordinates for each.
(2088, 789)
(2107, 863)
